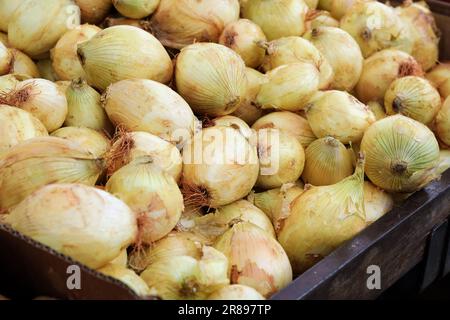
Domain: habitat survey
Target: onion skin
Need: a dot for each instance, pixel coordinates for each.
(236, 292)
(7, 9)
(94, 11)
(93, 141)
(338, 8)
(10, 81)
(378, 109)
(234, 123)
(320, 18)
(5, 59)
(127, 276)
(4, 39)
(401, 154)
(22, 65)
(376, 202)
(442, 124)
(121, 260)
(439, 76)
(136, 9)
(46, 70)
(69, 217)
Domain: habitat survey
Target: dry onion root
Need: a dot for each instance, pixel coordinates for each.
(94, 11)
(135, 9)
(9, 82)
(93, 141)
(439, 76)
(442, 124)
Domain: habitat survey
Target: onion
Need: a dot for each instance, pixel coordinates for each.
(121, 260)
(22, 65)
(10, 81)
(243, 37)
(180, 23)
(413, 97)
(322, 218)
(320, 18)
(94, 11)
(36, 26)
(442, 123)
(376, 202)
(127, 276)
(42, 98)
(93, 141)
(277, 18)
(289, 87)
(136, 9)
(168, 116)
(5, 59)
(295, 49)
(338, 114)
(4, 39)
(211, 78)
(440, 78)
(342, 52)
(444, 161)
(105, 57)
(255, 259)
(82, 222)
(65, 59)
(46, 70)
(327, 162)
(17, 126)
(377, 109)
(236, 292)
(401, 154)
(130, 146)
(338, 8)
(40, 161)
(111, 22)
(187, 278)
(63, 85)
(234, 123)
(220, 167)
(7, 9)
(152, 194)
(381, 69)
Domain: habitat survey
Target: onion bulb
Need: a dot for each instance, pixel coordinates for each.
(121, 259)
(277, 18)
(442, 123)
(168, 116)
(243, 37)
(444, 161)
(106, 57)
(376, 202)
(7, 9)
(255, 259)
(130, 146)
(220, 167)
(36, 26)
(236, 292)
(377, 109)
(17, 126)
(413, 97)
(128, 277)
(234, 123)
(94, 11)
(5, 59)
(440, 78)
(322, 218)
(93, 141)
(42, 98)
(135, 9)
(338, 8)
(327, 162)
(376, 26)
(211, 78)
(22, 65)
(43, 160)
(9, 82)
(63, 85)
(290, 122)
(320, 18)
(187, 278)
(152, 194)
(46, 70)
(401, 154)
(342, 52)
(381, 69)
(112, 21)
(82, 222)
(340, 115)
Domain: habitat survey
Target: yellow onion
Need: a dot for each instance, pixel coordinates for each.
(444, 161)
(377, 109)
(17, 126)
(85, 108)
(442, 123)
(82, 222)
(255, 259)
(130, 146)
(187, 278)
(46, 70)
(277, 18)
(136, 9)
(4, 39)
(236, 292)
(211, 78)
(220, 167)
(128, 277)
(94, 11)
(322, 218)
(376, 202)
(376, 26)
(340, 115)
(106, 57)
(401, 154)
(7, 9)
(320, 18)
(5, 59)
(342, 52)
(440, 78)
(93, 141)
(338, 8)
(152, 194)
(243, 37)
(327, 162)
(65, 59)
(381, 69)
(180, 23)
(10, 81)
(234, 123)
(43, 160)
(121, 259)
(312, 4)
(424, 33)
(63, 85)
(168, 116)
(36, 26)
(413, 97)
(295, 49)
(22, 65)
(289, 87)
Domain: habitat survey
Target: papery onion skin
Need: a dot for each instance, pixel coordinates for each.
(136, 9)
(36, 26)
(5, 59)
(93, 141)
(440, 78)
(46, 70)
(211, 78)
(105, 57)
(401, 154)
(376, 202)
(82, 222)
(338, 8)
(9, 82)
(320, 18)
(94, 11)
(7, 9)
(236, 292)
(442, 124)
(22, 65)
(413, 97)
(128, 277)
